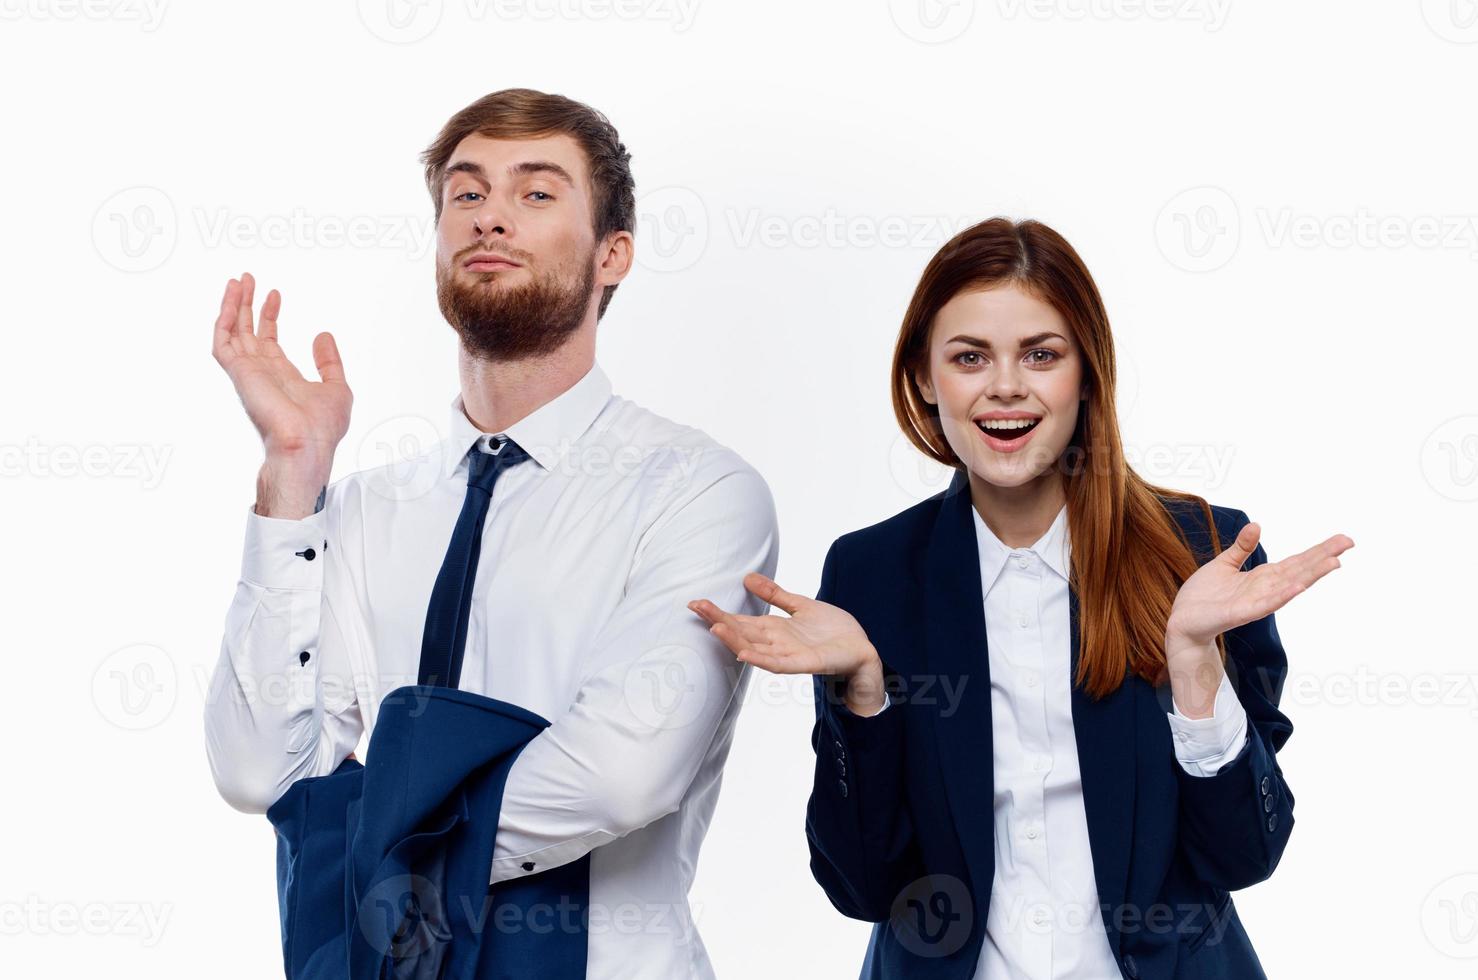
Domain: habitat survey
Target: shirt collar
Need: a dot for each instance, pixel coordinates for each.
(1053, 547)
(547, 433)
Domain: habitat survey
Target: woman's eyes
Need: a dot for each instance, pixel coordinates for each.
(1031, 356)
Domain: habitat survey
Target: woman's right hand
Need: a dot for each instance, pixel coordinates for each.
(815, 638)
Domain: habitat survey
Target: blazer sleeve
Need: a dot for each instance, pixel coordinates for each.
(861, 838)
(1234, 824)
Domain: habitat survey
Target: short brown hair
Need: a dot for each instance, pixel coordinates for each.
(523, 113)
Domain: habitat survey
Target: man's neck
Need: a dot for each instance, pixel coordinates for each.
(496, 394)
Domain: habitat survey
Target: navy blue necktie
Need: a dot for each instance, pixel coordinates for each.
(445, 637)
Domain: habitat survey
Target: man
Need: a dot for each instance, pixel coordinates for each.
(590, 549)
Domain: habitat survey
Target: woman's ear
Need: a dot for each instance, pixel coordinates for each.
(926, 387)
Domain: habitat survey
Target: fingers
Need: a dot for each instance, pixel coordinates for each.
(1243, 546)
(271, 306)
(765, 658)
(225, 328)
(767, 589)
(326, 358)
(743, 626)
(244, 333)
(1308, 561)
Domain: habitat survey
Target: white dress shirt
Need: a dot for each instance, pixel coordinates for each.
(590, 552)
(1044, 921)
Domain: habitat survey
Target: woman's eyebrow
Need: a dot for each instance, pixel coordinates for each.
(1035, 338)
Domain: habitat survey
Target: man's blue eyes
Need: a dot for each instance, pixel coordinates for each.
(544, 195)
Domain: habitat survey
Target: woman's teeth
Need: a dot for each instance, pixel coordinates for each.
(1007, 429)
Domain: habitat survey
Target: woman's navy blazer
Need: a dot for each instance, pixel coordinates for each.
(900, 819)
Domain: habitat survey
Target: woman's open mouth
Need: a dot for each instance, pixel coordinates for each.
(1007, 435)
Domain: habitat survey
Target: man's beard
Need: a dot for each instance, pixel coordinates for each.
(504, 323)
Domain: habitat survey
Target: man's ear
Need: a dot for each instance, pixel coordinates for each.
(926, 387)
(615, 259)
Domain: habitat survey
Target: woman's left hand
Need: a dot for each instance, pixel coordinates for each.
(1219, 596)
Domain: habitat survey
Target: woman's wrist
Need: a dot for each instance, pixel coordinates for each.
(865, 694)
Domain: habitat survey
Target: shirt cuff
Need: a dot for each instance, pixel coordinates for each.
(887, 702)
(523, 865)
(1204, 745)
(282, 553)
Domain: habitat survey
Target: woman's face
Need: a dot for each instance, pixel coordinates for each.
(1007, 375)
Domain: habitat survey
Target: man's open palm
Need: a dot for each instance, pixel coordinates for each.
(291, 413)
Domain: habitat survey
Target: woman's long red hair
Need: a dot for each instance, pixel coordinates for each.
(1129, 556)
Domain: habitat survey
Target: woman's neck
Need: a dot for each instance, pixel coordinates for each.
(1019, 516)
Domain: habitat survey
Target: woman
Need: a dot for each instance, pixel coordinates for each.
(1047, 700)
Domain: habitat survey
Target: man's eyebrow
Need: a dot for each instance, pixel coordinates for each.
(515, 170)
(1035, 338)
(541, 167)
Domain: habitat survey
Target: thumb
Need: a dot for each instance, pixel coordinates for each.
(1243, 546)
(770, 591)
(326, 358)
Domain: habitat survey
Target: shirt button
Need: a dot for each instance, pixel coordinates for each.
(1182, 736)
(1040, 915)
(527, 866)
(307, 554)
(1021, 561)
(1031, 832)
(1031, 679)
(1040, 762)
(1022, 622)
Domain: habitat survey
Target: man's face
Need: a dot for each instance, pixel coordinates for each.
(517, 263)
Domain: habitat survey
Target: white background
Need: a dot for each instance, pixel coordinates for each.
(1277, 201)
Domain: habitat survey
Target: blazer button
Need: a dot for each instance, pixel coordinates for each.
(842, 787)
(841, 752)
(1265, 785)
(1267, 804)
(841, 769)
(1272, 822)
(1131, 967)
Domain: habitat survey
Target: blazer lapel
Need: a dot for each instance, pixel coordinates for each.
(1106, 737)
(955, 648)
(955, 651)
